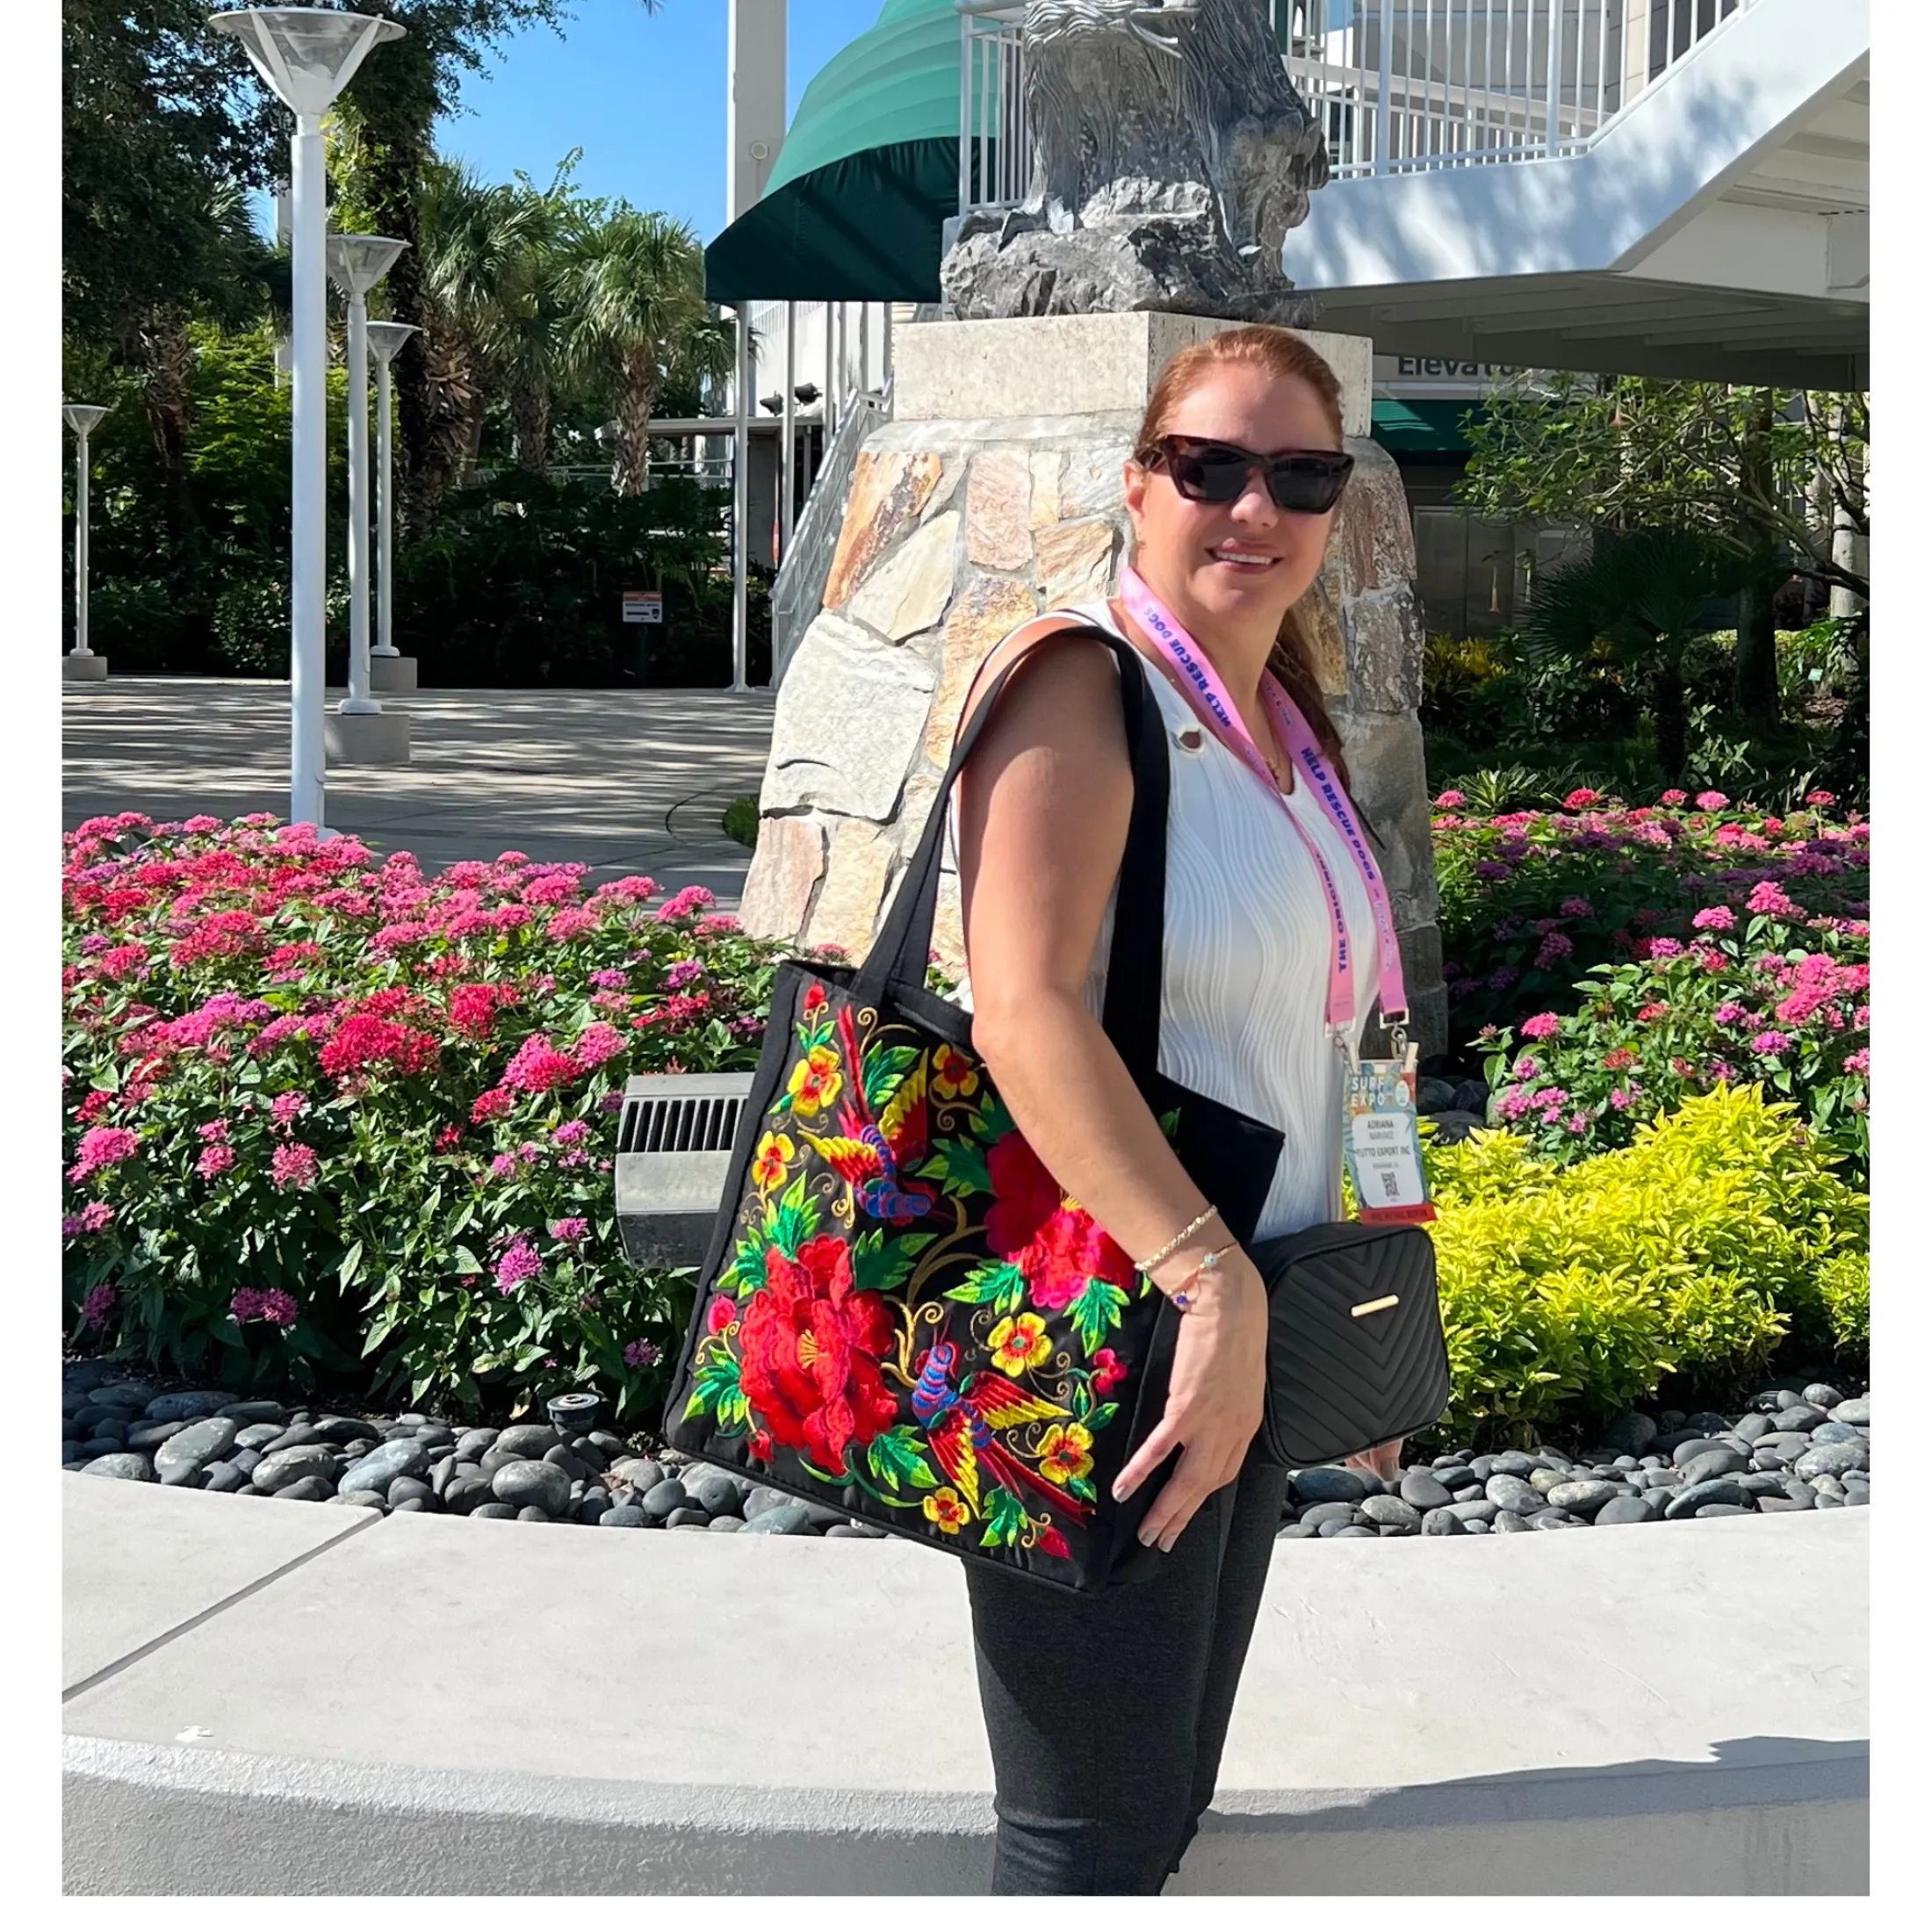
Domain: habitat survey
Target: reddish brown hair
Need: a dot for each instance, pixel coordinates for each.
(1287, 357)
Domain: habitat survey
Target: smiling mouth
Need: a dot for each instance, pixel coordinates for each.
(1253, 561)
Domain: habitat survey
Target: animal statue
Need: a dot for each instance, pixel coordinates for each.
(1170, 129)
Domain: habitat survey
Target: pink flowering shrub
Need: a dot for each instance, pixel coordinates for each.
(1754, 1000)
(1533, 900)
(329, 1120)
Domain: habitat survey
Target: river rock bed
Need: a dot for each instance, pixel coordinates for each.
(1793, 1449)
(531, 1472)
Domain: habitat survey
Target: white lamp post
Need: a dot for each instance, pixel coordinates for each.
(356, 263)
(388, 669)
(306, 56)
(81, 665)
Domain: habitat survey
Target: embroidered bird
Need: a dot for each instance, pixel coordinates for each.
(960, 1422)
(868, 1154)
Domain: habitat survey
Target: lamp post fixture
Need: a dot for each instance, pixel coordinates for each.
(306, 56)
(81, 665)
(356, 263)
(388, 665)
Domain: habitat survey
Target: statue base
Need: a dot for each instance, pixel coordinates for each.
(366, 737)
(996, 492)
(392, 675)
(91, 669)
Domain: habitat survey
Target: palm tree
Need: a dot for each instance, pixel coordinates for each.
(634, 283)
(1644, 595)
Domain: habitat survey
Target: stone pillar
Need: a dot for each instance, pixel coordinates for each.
(994, 494)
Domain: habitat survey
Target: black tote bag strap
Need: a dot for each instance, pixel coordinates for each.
(1131, 1013)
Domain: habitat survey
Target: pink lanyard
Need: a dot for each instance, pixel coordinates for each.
(1299, 741)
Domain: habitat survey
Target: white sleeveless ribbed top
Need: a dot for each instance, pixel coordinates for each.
(1245, 980)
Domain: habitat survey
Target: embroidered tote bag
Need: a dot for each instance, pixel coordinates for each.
(901, 1314)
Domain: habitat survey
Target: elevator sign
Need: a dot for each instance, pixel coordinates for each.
(644, 607)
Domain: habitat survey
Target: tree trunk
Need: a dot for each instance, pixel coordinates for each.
(1667, 711)
(165, 353)
(449, 400)
(636, 395)
(1753, 687)
(529, 419)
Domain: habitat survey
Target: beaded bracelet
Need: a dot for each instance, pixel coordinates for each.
(1161, 1254)
(1210, 1261)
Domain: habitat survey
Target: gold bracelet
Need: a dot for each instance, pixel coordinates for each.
(1160, 1254)
(1209, 1263)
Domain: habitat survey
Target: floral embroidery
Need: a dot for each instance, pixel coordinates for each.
(814, 1083)
(772, 1162)
(912, 1311)
(944, 1508)
(1019, 1342)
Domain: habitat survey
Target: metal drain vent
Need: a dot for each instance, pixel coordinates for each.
(673, 1154)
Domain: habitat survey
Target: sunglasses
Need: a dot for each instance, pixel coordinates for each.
(1304, 482)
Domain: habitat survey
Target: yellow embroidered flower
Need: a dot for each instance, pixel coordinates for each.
(944, 1508)
(1063, 1452)
(772, 1162)
(815, 1082)
(954, 1077)
(1020, 1342)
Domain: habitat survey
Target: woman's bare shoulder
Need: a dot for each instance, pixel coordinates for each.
(1063, 693)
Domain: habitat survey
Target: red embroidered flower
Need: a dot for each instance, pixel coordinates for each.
(809, 1347)
(814, 1000)
(1108, 1369)
(1050, 1542)
(1053, 1241)
(719, 1316)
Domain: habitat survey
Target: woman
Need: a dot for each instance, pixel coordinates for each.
(1106, 1713)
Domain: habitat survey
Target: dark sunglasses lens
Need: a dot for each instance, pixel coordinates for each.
(1210, 475)
(1309, 484)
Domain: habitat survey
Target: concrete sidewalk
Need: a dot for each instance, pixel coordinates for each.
(273, 1699)
(623, 781)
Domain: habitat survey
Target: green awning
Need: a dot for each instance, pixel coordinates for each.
(868, 171)
(1422, 425)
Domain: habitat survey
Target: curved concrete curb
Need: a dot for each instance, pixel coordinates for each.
(432, 1706)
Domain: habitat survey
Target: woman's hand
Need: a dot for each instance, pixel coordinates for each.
(1213, 1399)
(1383, 1461)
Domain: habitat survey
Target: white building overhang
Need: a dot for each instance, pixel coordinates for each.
(1716, 229)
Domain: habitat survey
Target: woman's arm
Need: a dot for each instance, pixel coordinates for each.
(1044, 802)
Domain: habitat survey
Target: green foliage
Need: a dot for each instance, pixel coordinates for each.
(1568, 1291)
(740, 820)
(522, 579)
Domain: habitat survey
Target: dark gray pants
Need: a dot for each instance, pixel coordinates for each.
(1106, 1713)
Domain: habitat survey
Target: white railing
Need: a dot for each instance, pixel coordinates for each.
(1401, 86)
(799, 588)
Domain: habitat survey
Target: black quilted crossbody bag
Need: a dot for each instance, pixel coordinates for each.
(1355, 1356)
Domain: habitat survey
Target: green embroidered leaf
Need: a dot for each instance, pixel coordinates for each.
(993, 1122)
(1006, 1517)
(997, 1285)
(734, 1416)
(885, 1068)
(898, 1455)
(1081, 1487)
(883, 1265)
(965, 1168)
(746, 1271)
(792, 1221)
(1095, 1312)
(1102, 1416)
(714, 1388)
(1170, 1122)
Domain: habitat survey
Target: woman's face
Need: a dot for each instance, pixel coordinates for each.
(1243, 563)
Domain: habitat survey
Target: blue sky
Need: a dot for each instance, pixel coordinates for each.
(643, 95)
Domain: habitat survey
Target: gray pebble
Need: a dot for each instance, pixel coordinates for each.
(1583, 1498)
(1631, 1433)
(1857, 1410)
(662, 1498)
(1443, 1522)
(1727, 1509)
(1834, 1431)
(1477, 1509)
(1293, 1532)
(1318, 1513)
(1508, 1523)
(1513, 1493)
(788, 1520)
(404, 1456)
(188, 1405)
(1391, 1512)
(625, 1516)
(1353, 1529)
(257, 1435)
(686, 1518)
(1751, 1428)
(1624, 1508)
(126, 1465)
(474, 1444)
(303, 1489)
(1458, 1476)
(1714, 1462)
(1780, 1505)
(527, 1438)
(495, 1512)
(223, 1477)
(359, 1499)
(1424, 1492)
(276, 1471)
(465, 1495)
(150, 1435)
(403, 1489)
(1556, 1519)
(1329, 1485)
(532, 1485)
(1688, 1502)
(1832, 1458)
(1802, 1418)
(182, 1457)
(1511, 1462)
(1821, 1396)
(730, 1525)
(1692, 1448)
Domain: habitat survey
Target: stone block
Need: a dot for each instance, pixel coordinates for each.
(391, 674)
(1318, 618)
(986, 610)
(1076, 364)
(1385, 646)
(1045, 465)
(1076, 561)
(91, 669)
(366, 737)
(999, 511)
(840, 676)
(789, 861)
(856, 870)
(909, 590)
(1092, 480)
(889, 490)
(1373, 525)
(1384, 750)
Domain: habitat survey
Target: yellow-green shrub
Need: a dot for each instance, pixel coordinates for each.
(1568, 1292)
(1844, 1287)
